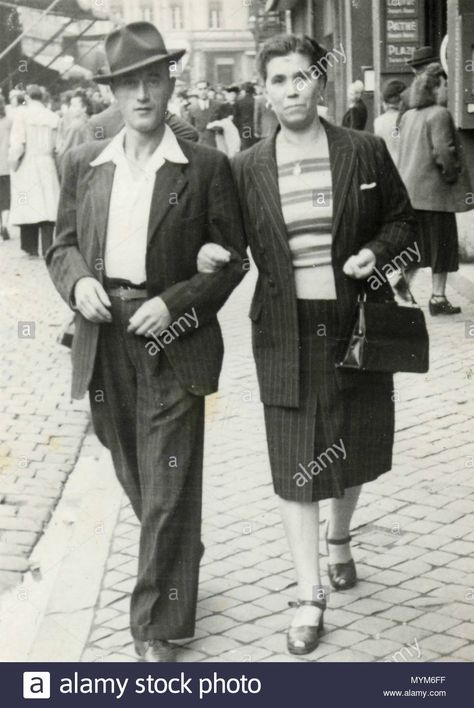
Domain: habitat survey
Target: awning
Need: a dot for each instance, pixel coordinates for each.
(280, 5)
(76, 9)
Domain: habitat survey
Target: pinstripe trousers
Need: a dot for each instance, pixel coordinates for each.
(154, 429)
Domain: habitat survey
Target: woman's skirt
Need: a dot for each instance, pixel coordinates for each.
(438, 241)
(337, 437)
(5, 193)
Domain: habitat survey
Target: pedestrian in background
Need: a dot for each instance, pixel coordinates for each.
(432, 166)
(78, 131)
(385, 125)
(5, 196)
(245, 116)
(34, 177)
(356, 115)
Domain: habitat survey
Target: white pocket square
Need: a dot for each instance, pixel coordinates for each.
(368, 186)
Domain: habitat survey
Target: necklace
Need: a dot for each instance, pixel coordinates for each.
(297, 169)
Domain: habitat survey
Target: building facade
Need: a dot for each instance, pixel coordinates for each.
(216, 34)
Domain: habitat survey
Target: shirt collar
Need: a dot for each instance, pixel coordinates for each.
(169, 149)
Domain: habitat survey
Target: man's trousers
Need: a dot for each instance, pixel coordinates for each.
(154, 429)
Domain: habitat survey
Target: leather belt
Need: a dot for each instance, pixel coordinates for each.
(126, 293)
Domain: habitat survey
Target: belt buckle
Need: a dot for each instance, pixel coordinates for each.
(123, 292)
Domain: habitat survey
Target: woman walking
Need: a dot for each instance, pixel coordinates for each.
(34, 178)
(322, 206)
(431, 165)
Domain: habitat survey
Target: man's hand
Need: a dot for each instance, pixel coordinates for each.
(151, 318)
(212, 258)
(361, 265)
(92, 301)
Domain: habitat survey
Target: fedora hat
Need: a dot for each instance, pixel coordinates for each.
(422, 56)
(132, 47)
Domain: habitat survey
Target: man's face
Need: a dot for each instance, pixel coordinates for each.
(201, 88)
(76, 107)
(143, 96)
(293, 94)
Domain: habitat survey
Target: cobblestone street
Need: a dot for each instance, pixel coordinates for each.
(413, 532)
(41, 431)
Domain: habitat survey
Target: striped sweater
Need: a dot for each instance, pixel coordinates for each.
(304, 177)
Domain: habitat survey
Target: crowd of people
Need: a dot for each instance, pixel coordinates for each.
(37, 130)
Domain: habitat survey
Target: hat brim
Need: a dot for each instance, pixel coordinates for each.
(159, 59)
(422, 62)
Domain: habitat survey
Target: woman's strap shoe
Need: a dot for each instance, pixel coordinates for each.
(342, 576)
(442, 306)
(305, 638)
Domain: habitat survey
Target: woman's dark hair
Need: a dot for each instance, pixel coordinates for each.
(392, 91)
(35, 92)
(85, 100)
(283, 44)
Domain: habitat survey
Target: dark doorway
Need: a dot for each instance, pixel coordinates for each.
(436, 22)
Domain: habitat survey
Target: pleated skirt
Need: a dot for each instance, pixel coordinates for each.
(337, 437)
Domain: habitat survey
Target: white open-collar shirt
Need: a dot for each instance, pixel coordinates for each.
(130, 203)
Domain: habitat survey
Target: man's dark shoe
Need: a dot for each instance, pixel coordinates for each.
(153, 650)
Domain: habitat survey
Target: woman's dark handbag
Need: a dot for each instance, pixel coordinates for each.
(387, 337)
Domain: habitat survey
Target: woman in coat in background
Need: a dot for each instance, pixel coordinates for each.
(34, 177)
(431, 165)
(322, 206)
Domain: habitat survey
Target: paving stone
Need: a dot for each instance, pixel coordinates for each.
(347, 655)
(435, 622)
(345, 637)
(371, 625)
(464, 631)
(214, 645)
(378, 648)
(443, 643)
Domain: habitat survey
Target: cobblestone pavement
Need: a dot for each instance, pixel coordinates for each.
(413, 530)
(41, 431)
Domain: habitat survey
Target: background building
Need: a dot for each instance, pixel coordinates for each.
(216, 33)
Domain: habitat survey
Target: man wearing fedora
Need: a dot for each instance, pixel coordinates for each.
(134, 212)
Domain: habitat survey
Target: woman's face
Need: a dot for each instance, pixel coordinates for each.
(293, 88)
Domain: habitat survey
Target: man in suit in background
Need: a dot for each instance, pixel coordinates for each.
(206, 111)
(133, 214)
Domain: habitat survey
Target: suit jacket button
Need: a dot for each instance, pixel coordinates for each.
(271, 282)
(261, 248)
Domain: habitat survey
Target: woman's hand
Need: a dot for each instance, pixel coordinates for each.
(150, 319)
(212, 258)
(361, 265)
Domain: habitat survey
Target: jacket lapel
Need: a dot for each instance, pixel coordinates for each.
(101, 189)
(264, 172)
(342, 158)
(170, 181)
